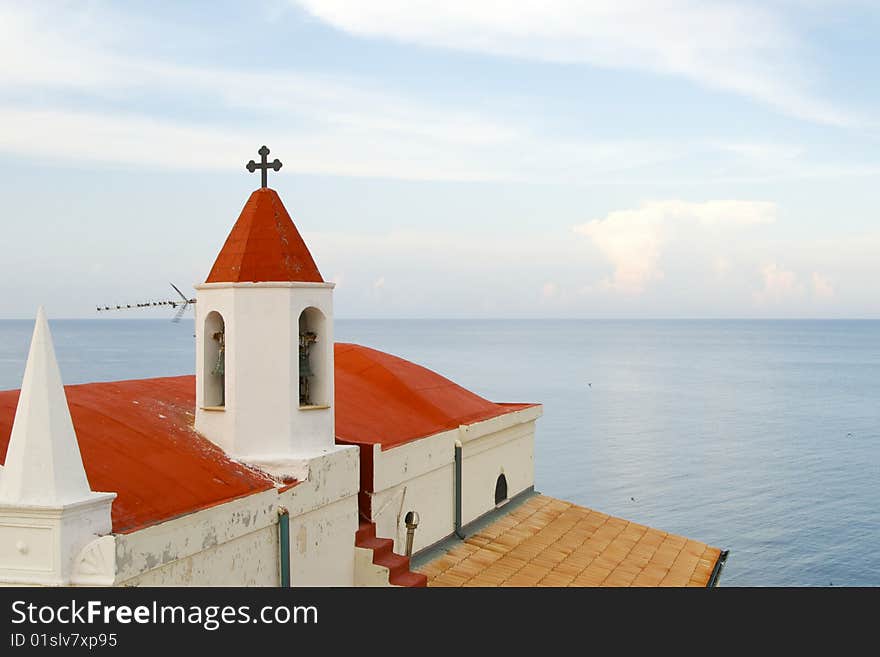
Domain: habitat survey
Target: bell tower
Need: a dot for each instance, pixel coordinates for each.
(264, 340)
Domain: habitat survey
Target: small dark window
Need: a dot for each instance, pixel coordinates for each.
(500, 490)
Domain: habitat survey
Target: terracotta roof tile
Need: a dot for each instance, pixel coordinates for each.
(549, 542)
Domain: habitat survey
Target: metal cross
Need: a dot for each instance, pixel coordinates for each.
(264, 165)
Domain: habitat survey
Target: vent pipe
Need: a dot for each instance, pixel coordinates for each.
(412, 522)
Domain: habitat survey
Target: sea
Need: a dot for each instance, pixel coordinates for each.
(759, 437)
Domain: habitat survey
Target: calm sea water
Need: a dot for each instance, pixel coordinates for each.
(762, 437)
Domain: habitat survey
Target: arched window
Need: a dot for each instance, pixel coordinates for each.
(214, 374)
(313, 385)
(500, 490)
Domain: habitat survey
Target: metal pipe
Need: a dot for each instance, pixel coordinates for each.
(716, 571)
(284, 541)
(458, 531)
(412, 521)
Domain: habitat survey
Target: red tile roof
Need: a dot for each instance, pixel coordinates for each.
(550, 542)
(137, 440)
(137, 437)
(264, 245)
(385, 400)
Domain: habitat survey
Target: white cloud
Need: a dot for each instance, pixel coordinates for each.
(633, 240)
(359, 151)
(437, 273)
(744, 48)
(60, 56)
(633, 244)
(822, 288)
(120, 138)
(550, 290)
(39, 47)
(78, 58)
(346, 126)
(779, 286)
(379, 283)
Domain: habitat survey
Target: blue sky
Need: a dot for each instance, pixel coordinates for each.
(635, 158)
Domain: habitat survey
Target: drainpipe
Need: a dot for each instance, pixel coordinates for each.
(284, 541)
(412, 521)
(458, 531)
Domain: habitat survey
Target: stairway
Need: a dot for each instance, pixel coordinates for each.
(397, 565)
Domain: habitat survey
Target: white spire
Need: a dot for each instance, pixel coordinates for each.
(43, 463)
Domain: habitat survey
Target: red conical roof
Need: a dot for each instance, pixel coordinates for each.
(264, 245)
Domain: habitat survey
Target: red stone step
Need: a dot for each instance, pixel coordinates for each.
(399, 573)
(379, 546)
(409, 579)
(395, 563)
(365, 530)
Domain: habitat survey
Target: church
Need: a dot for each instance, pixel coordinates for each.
(291, 460)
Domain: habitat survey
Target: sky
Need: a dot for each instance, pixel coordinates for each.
(463, 159)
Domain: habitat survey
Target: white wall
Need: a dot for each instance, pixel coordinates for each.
(509, 452)
(199, 547)
(322, 545)
(431, 494)
(237, 543)
(366, 573)
(323, 520)
(249, 560)
(420, 476)
(39, 545)
(261, 419)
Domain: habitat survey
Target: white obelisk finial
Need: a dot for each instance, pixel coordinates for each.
(43, 462)
(51, 522)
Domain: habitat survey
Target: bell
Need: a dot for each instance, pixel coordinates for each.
(305, 342)
(220, 365)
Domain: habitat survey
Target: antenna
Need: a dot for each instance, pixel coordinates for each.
(180, 305)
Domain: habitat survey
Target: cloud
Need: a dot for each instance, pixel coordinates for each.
(745, 48)
(62, 57)
(633, 240)
(822, 288)
(554, 272)
(550, 290)
(120, 138)
(99, 112)
(779, 286)
(81, 95)
(47, 49)
(356, 150)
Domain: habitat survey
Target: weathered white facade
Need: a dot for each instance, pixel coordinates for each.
(238, 543)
